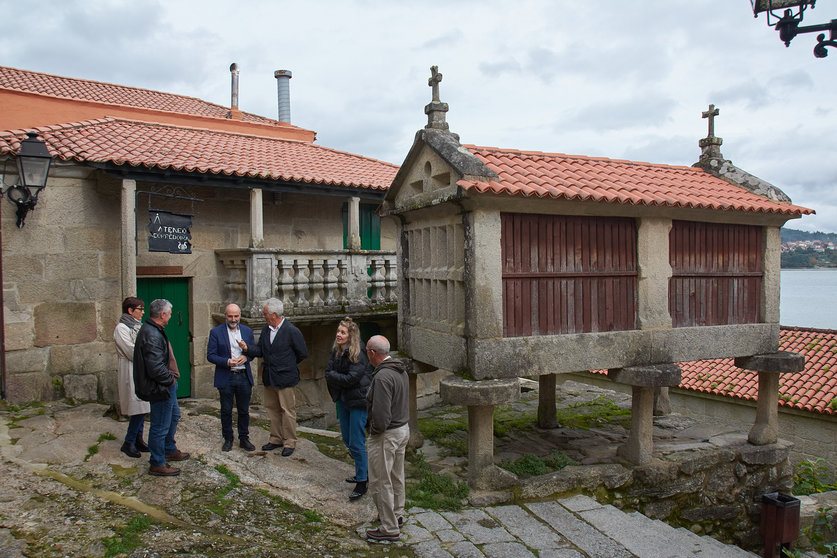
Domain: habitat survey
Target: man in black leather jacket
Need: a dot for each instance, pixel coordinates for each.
(155, 381)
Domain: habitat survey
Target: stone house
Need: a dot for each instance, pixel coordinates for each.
(258, 209)
(520, 263)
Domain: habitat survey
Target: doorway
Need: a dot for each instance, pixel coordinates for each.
(176, 291)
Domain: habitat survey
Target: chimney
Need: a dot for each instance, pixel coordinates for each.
(235, 114)
(283, 83)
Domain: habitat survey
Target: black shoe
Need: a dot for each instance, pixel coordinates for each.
(359, 491)
(287, 452)
(352, 480)
(245, 443)
(270, 446)
(227, 445)
(130, 450)
(142, 446)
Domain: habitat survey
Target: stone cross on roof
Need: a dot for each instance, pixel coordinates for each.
(710, 145)
(710, 114)
(435, 79)
(436, 109)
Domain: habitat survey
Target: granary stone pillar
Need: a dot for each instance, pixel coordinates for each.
(546, 401)
(256, 218)
(480, 397)
(416, 439)
(639, 449)
(353, 241)
(128, 250)
(769, 366)
(772, 256)
(654, 273)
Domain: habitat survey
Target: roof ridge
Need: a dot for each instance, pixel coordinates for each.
(584, 157)
(810, 329)
(127, 88)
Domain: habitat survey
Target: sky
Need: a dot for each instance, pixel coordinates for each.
(625, 80)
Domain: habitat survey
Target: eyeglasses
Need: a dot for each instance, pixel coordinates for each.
(368, 350)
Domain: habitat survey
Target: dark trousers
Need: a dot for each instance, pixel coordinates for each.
(238, 390)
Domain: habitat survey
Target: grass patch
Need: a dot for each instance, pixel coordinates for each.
(106, 436)
(448, 432)
(507, 420)
(432, 491)
(233, 481)
(812, 476)
(530, 465)
(127, 539)
(91, 451)
(597, 412)
(332, 447)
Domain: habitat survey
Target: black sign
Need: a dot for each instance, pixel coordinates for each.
(169, 232)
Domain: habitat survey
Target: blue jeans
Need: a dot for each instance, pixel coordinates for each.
(353, 429)
(135, 425)
(238, 389)
(164, 418)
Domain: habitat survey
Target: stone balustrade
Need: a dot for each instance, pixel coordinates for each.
(311, 282)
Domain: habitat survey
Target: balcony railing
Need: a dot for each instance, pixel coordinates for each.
(311, 282)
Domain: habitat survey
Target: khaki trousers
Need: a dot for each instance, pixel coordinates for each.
(281, 408)
(386, 475)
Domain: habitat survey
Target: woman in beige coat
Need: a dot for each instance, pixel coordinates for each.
(130, 405)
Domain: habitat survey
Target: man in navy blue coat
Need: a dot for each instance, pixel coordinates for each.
(233, 377)
(281, 347)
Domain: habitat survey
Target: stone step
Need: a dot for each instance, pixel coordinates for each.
(645, 537)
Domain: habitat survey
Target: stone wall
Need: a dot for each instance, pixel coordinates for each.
(714, 491)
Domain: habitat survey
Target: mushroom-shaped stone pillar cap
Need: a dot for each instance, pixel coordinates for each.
(782, 362)
(651, 375)
(458, 391)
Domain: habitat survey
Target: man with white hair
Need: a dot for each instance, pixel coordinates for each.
(281, 347)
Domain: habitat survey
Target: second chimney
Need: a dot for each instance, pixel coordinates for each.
(283, 83)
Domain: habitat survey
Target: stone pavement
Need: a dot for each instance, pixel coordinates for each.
(572, 527)
(58, 435)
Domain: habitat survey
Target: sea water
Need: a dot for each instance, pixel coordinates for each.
(809, 298)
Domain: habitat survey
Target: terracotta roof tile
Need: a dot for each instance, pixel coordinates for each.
(814, 389)
(161, 146)
(575, 177)
(108, 93)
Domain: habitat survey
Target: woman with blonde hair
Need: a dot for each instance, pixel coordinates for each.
(348, 377)
(130, 405)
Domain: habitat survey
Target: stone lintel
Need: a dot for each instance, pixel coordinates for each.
(458, 391)
(782, 362)
(652, 375)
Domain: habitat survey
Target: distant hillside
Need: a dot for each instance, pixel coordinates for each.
(791, 235)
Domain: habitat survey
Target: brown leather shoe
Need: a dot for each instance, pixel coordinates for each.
(165, 470)
(177, 456)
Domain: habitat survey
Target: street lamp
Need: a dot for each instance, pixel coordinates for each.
(788, 24)
(33, 161)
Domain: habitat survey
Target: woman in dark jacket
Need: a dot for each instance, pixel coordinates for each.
(348, 377)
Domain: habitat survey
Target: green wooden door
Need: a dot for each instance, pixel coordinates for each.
(176, 291)
(370, 227)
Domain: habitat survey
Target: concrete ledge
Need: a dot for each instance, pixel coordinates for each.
(458, 391)
(782, 362)
(653, 375)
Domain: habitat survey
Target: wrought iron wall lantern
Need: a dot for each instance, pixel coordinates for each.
(33, 161)
(788, 24)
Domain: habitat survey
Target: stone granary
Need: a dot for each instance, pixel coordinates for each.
(261, 209)
(520, 263)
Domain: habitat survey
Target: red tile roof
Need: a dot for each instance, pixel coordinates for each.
(161, 146)
(108, 93)
(574, 177)
(814, 389)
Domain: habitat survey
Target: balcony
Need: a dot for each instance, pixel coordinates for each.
(313, 284)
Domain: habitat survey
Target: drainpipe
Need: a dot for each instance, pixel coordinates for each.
(283, 83)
